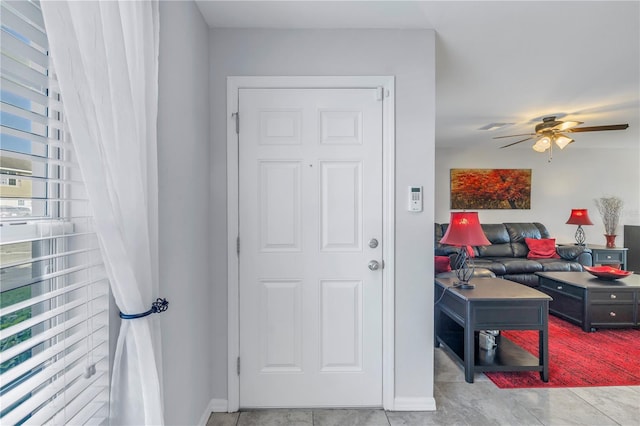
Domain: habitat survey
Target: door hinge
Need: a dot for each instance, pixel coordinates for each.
(238, 365)
(236, 116)
(238, 245)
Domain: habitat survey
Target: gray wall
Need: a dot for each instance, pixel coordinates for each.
(409, 55)
(183, 157)
(572, 179)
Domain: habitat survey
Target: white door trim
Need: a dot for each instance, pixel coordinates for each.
(387, 86)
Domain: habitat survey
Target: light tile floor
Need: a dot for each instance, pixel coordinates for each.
(477, 404)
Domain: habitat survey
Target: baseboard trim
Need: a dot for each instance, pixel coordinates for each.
(214, 406)
(414, 404)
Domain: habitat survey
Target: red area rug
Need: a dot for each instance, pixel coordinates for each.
(577, 358)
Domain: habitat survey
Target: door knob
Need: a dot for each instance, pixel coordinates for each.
(374, 265)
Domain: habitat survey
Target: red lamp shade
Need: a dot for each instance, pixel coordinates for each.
(579, 217)
(465, 230)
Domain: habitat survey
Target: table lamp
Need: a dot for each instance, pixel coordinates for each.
(464, 230)
(579, 217)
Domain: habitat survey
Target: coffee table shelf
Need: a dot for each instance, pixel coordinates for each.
(507, 356)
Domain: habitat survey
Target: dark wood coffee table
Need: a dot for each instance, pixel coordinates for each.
(592, 303)
(495, 304)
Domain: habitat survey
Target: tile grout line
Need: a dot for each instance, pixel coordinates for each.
(593, 405)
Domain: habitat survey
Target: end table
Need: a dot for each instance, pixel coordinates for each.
(602, 255)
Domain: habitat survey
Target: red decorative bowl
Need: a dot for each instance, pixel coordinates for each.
(607, 272)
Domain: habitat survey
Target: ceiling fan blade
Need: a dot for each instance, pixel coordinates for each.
(514, 143)
(565, 125)
(511, 136)
(598, 128)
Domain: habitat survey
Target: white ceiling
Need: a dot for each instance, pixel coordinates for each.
(501, 61)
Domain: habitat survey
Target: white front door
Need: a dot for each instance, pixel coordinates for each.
(310, 203)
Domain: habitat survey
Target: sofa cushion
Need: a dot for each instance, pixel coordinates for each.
(519, 231)
(496, 233)
(514, 265)
(495, 250)
(495, 267)
(543, 248)
(559, 265)
(500, 246)
(530, 280)
(441, 264)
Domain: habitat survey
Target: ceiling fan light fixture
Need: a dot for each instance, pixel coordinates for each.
(562, 141)
(542, 144)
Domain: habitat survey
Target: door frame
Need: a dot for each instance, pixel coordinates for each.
(386, 85)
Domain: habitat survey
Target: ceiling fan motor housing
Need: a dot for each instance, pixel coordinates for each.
(547, 124)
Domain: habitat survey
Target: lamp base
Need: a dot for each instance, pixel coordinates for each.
(464, 269)
(464, 285)
(580, 236)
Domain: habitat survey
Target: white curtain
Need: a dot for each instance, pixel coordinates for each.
(105, 54)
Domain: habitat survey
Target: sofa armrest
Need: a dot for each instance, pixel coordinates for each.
(585, 258)
(576, 253)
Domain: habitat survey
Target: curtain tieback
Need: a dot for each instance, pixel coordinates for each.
(160, 305)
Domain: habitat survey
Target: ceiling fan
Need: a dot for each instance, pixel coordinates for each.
(552, 130)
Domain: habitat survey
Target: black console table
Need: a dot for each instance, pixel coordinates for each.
(494, 304)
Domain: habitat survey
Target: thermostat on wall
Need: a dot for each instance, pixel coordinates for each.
(415, 198)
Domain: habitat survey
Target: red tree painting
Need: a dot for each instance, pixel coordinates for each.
(490, 188)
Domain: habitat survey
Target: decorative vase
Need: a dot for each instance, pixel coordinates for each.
(611, 240)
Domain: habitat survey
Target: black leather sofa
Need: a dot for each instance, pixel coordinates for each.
(506, 257)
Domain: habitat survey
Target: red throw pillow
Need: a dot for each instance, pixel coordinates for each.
(544, 248)
(442, 264)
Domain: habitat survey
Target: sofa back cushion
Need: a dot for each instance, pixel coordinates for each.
(519, 231)
(500, 246)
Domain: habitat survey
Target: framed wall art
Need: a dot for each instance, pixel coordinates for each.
(491, 189)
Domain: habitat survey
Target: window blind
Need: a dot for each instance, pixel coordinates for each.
(54, 347)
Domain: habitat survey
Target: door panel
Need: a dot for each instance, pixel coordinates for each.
(341, 324)
(280, 206)
(341, 205)
(281, 326)
(310, 186)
